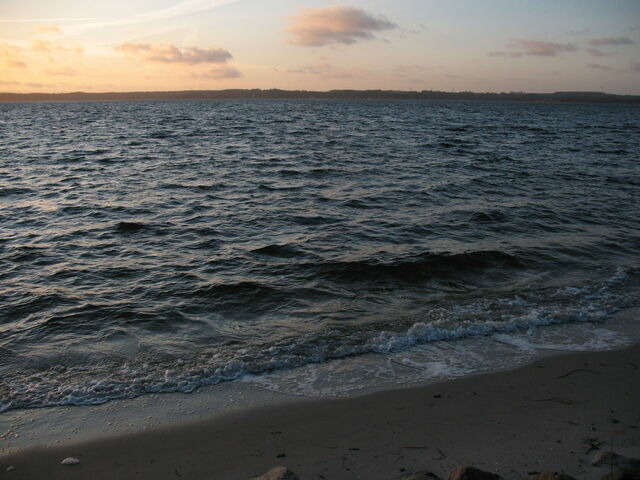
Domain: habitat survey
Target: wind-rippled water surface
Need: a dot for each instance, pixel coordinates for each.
(310, 246)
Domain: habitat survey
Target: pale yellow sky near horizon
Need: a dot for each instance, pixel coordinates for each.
(502, 45)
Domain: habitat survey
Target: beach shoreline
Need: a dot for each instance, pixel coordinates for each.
(551, 415)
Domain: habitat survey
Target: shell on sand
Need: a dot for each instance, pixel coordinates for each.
(70, 461)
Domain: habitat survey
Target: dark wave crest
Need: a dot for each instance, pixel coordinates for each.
(426, 266)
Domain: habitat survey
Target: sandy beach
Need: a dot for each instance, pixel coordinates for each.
(552, 415)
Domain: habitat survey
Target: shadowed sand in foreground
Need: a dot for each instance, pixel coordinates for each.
(552, 415)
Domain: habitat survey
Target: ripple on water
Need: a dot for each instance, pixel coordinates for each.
(162, 246)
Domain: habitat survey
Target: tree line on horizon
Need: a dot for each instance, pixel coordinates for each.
(588, 97)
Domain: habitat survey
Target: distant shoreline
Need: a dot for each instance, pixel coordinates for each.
(239, 94)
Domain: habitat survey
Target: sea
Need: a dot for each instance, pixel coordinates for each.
(310, 247)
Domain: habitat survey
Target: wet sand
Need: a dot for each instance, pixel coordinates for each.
(552, 415)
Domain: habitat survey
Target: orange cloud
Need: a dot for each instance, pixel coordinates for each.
(173, 54)
(11, 55)
(49, 29)
(62, 71)
(316, 27)
(38, 85)
(16, 63)
(45, 46)
(28, 84)
(7, 50)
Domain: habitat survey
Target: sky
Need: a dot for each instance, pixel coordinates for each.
(453, 45)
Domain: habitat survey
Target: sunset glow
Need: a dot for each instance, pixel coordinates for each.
(529, 45)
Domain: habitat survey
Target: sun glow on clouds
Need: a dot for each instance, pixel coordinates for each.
(11, 55)
(173, 54)
(49, 29)
(208, 44)
(316, 27)
(61, 71)
(44, 46)
(185, 56)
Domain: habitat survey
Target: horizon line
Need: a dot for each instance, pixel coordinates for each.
(275, 89)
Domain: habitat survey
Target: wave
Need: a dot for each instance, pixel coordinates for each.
(130, 227)
(422, 267)
(101, 382)
(270, 249)
(279, 251)
(7, 191)
(241, 289)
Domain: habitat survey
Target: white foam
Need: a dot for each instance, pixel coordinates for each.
(459, 340)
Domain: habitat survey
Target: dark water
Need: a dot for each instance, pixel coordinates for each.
(149, 247)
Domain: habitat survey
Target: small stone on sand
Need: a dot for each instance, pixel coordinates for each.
(278, 473)
(70, 461)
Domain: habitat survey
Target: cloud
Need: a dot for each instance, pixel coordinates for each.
(28, 84)
(62, 71)
(11, 55)
(402, 69)
(46, 20)
(16, 63)
(323, 68)
(598, 53)
(317, 27)
(172, 54)
(326, 70)
(7, 50)
(219, 73)
(38, 85)
(538, 48)
(41, 46)
(505, 54)
(597, 66)
(45, 46)
(611, 41)
(409, 68)
(49, 29)
(185, 7)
